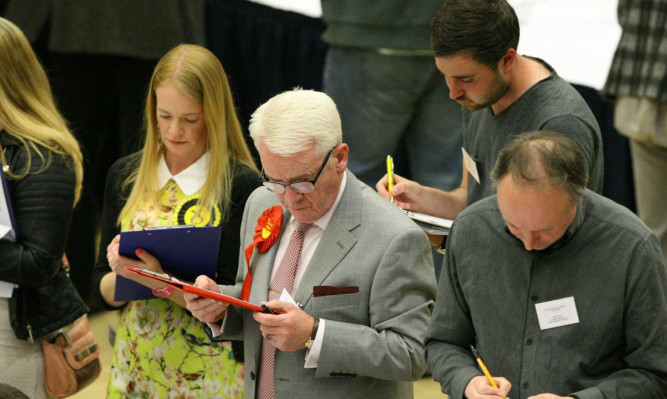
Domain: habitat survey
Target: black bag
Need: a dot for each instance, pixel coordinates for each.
(37, 312)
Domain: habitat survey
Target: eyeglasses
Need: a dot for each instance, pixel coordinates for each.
(300, 187)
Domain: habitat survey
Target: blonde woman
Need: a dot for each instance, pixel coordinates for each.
(195, 160)
(42, 164)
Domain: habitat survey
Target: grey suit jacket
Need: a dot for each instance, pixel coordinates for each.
(373, 339)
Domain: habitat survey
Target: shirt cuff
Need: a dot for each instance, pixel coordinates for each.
(313, 355)
(218, 327)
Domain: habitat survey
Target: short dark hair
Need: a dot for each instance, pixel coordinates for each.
(483, 29)
(543, 158)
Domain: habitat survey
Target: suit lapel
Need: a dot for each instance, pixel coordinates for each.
(336, 242)
(325, 259)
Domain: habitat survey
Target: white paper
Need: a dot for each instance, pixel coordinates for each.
(286, 297)
(434, 220)
(310, 8)
(6, 230)
(6, 289)
(470, 164)
(557, 313)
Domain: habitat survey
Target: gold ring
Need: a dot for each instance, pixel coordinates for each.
(113, 268)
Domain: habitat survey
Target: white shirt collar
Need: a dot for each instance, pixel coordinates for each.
(190, 180)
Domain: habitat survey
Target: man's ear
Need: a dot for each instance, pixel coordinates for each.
(507, 62)
(340, 154)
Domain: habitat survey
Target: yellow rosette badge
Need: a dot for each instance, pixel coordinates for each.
(188, 212)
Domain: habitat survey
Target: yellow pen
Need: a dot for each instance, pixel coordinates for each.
(483, 367)
(390, 176)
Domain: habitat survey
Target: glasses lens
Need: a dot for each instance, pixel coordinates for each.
(303, 187)
(275, 187)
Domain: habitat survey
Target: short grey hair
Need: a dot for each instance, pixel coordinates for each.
(294, 121)
(543, 158)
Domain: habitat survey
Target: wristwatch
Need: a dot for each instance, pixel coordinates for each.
(311, 341)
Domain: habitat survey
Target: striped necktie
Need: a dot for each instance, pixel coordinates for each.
(283, 279)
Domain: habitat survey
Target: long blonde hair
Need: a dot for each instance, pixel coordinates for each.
(197, 73)
(27, 109)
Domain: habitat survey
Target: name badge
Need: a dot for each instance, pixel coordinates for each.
(470, 164)
(557, 313)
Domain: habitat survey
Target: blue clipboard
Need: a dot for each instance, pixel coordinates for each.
(183, 251)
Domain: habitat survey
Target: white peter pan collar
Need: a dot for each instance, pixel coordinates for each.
(190, 180)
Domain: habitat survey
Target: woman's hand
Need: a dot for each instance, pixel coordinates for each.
(112, 253)
(119, 263)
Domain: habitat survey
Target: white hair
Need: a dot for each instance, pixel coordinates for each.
(294, 121)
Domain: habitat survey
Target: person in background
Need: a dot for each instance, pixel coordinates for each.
(562, 291)
(504, 94)
(359, 269)
(100, 56)
(194, 161)
(638, 81)
(41, 162)
(379, 71)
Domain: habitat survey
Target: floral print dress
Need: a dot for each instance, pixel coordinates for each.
(161, 351)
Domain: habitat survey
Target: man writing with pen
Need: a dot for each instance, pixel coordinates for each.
(562, 291)
(362, 281)
(503, 93)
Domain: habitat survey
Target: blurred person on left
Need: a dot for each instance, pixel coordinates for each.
(42, 164)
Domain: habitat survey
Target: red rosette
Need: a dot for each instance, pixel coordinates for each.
(268, 228)
(266, 234)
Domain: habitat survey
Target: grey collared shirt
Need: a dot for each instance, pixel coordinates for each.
(608, 261)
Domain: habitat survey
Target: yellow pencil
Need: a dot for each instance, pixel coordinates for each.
(390, 175)
(483, 367)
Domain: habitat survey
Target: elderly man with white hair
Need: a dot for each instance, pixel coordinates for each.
(359, 270)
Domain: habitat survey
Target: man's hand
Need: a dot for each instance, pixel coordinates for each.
(548, 396)
(407, 193)
(479, 388)
(205, 309)
(289, 328)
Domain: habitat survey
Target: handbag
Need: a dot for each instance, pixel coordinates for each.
(71, 359)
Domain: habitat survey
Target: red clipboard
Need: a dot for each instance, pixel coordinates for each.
(185, 287)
